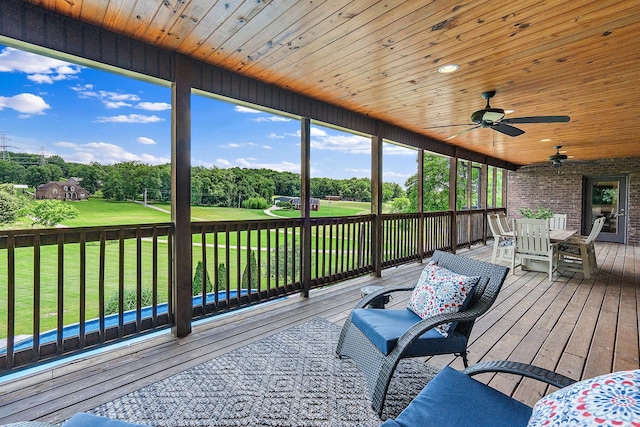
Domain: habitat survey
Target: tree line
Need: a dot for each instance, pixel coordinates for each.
(209, 186)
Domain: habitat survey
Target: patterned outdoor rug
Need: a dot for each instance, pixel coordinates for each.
(292, 378)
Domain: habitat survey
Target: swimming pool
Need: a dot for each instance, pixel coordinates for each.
(112, 320)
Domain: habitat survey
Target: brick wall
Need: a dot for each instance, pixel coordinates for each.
(561, 189)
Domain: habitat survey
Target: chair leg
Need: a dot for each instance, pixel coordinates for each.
(464, 359)
(494, 255)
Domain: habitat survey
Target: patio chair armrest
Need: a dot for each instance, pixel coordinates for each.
(523, 369)
(385, 291)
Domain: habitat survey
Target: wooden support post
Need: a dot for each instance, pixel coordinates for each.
(503, 176)
(305, 203)
(482, 198)
(376, 200)
(453, 190)
(420, 201)
(180, 196)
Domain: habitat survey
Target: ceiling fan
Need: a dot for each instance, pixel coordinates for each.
(493, 118)
(557, 158)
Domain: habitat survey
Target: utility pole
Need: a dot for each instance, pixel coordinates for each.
(4, 143)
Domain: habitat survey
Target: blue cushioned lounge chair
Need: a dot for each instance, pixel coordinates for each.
(376, 339)
(453, 398)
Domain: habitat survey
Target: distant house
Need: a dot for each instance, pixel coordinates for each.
(69, 190)
(282, 199)
(332, 197)
(314, 202)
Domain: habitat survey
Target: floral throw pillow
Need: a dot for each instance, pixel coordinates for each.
(440, 291)
(607, 400)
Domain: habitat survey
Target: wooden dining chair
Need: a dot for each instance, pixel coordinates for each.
(533, 243)
(558, 222)
(502, 243)
(503, 223)
(578, 254)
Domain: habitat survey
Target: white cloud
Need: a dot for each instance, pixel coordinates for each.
(145, 141)
(26, 103)
(223, 163)
(131, 118)
(239, 145)
(105, 153)
(267, 147)
(110, 99)
(273, 135)
(241, 109)
(272, 119)
(397, 150)
(392, 176)
(314, 132)
(279, 167)
(345, 143)
(39, 69)
(153, 106)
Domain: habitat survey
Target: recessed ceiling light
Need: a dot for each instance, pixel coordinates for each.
(448, 68)
(509, 111)
(545, 140)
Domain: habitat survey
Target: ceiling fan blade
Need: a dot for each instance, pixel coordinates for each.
(448, 126)
(506, 129)
(537, 119)
(461, 132)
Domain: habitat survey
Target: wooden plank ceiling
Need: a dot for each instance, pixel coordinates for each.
(577, 58)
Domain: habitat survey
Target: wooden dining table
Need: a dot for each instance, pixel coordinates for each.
(556, 236)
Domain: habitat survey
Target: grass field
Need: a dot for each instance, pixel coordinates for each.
(97, 212)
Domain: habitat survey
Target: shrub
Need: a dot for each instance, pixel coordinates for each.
(284, 205)
(197, 280)
(250, 274)
(255, 203)
(541, 213)
(129, 300)
(221, 273)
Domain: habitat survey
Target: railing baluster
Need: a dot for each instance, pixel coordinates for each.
(154, 278)
(60, 309)
(83, 289)
(36, 296)
(101, 291)
(138, 280)
(121, 282)
(216, 262)
(11, 299)
(204, 290)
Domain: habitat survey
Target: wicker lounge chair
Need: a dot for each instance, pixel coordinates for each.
(453, 398)
(405, 334)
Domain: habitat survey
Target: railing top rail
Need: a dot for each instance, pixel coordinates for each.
(51, 236)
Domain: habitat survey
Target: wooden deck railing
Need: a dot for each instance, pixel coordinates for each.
(58, 284)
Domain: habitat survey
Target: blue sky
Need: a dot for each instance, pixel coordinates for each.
(87, 115)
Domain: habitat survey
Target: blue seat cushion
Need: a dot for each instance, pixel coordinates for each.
(455, 399)
(88, 420)
(384, 327)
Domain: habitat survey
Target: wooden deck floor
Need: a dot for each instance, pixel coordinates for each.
(578, 327)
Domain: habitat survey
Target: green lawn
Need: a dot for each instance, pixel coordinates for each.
(96, 212)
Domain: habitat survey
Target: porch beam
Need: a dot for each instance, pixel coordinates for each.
(180, 196)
